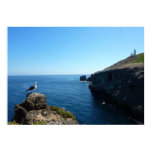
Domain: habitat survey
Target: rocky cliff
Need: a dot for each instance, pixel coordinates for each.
(34, 110)
(122, 84)
(83, 78)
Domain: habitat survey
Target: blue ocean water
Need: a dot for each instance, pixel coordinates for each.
(68, 92)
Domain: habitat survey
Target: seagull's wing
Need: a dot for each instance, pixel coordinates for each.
(31, 88)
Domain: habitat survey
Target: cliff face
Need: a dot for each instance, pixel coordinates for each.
(123, 85)
(34, 110)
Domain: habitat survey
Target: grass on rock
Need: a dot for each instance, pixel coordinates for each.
(12, 123)
(140, 58)
(40, 123)
(37, 123)
(62, 112)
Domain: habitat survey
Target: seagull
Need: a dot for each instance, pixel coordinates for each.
(32, 88)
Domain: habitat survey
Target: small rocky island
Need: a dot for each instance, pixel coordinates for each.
(83, 78)
(122, 85)
(35, 111)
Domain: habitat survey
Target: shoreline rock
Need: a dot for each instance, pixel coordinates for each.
(83, 78)
(34, 110)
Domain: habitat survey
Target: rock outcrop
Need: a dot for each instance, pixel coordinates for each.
(122, 85)
(83, 78)
(34, 110)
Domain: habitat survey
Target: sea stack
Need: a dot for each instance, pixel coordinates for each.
(34, 110)
(83, 78)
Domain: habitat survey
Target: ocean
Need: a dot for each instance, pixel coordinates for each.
(65, 91)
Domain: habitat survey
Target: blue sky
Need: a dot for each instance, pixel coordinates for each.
(69, 50)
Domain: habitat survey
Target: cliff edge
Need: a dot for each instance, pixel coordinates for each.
(122, 84)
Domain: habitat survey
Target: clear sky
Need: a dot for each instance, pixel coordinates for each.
(69, 50)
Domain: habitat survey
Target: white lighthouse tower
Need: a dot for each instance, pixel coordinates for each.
(134, 52)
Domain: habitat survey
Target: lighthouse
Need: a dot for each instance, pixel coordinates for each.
(134, 52)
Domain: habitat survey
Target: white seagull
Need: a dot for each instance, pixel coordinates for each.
(32, 88)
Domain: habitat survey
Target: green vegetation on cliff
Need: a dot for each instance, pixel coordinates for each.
(140, 58)
(40, 123)
(128, 62)
(62, 112)
(37, 123)
(13, 123)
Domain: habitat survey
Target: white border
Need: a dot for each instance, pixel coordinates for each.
(75, 13)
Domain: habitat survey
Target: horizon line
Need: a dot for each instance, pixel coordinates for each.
(46, 74)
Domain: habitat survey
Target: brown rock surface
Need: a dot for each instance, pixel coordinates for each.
(34, 110)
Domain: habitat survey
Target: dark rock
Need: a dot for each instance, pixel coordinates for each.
(123, 86)
(20, 113)
(89, 79)
(83, 78)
